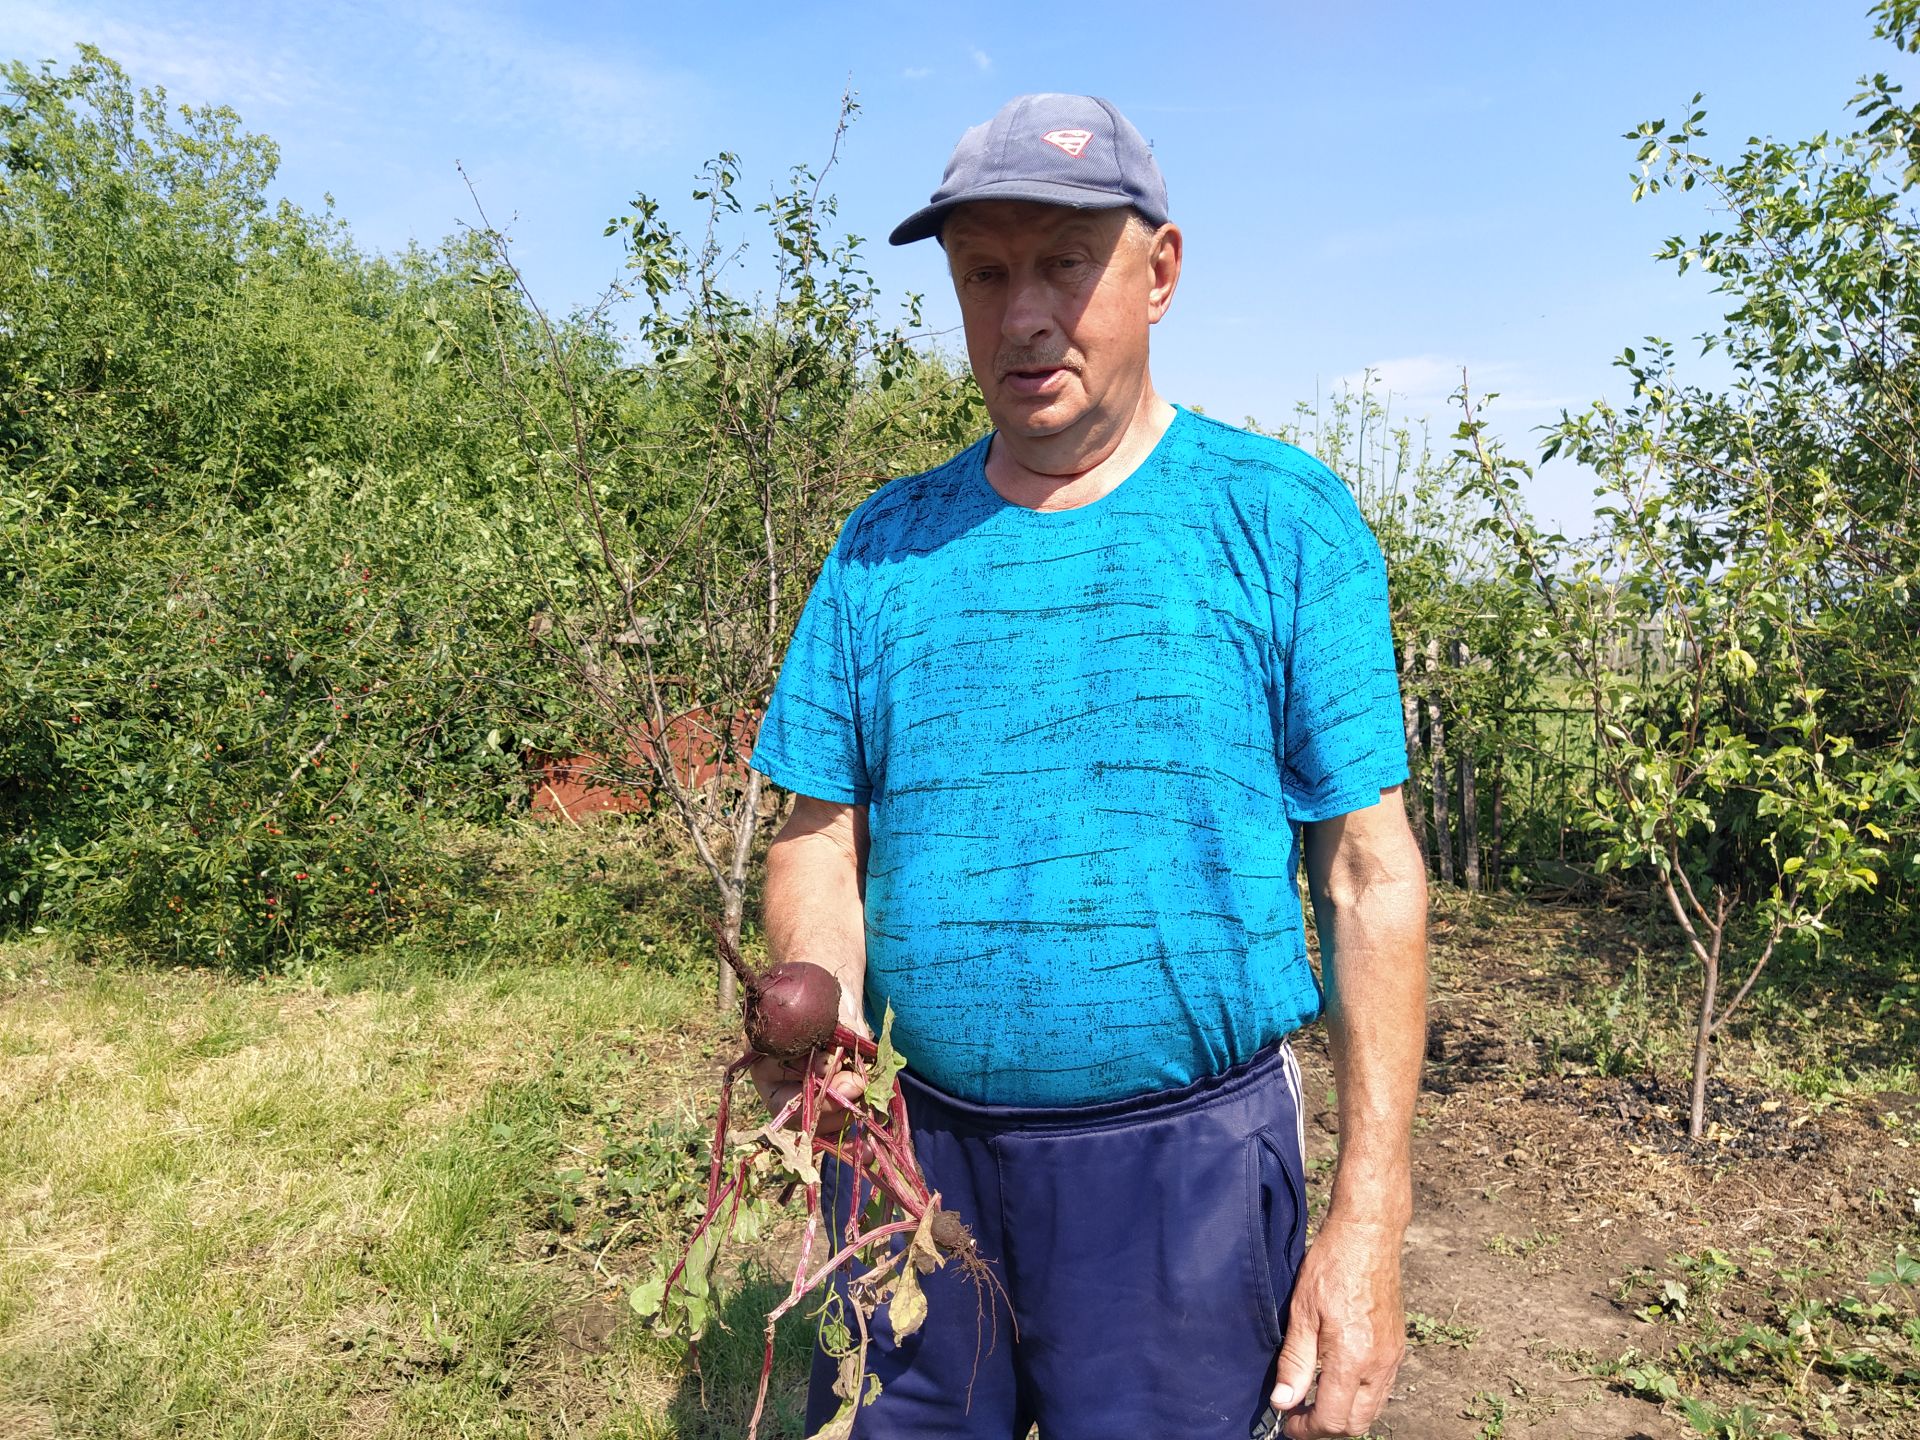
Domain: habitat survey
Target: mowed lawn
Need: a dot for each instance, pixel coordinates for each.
(355, 1207)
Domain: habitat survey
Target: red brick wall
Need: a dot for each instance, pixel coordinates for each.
(569, 786)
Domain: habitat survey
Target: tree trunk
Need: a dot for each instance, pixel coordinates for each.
(1707, 952)
(1703, 1052)
(1469, 800)
(733, 889)
(1469, 823)
(733, 908)
(1410, 718)
(1437, 744)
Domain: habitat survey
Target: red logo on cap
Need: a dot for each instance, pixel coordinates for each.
(1072, 141)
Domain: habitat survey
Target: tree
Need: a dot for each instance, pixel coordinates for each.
(695, 534)
(1768, 777)
(262, 629)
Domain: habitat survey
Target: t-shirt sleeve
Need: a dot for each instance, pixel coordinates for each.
(809, 739)
(1345, 735)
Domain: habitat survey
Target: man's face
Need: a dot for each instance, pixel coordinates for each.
(1057, 304)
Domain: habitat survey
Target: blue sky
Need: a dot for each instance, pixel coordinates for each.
(1406, 187)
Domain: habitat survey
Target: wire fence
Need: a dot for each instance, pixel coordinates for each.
(1497, 789)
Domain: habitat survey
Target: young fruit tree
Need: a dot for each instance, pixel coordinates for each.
(1767, 777)
(699, 479)
(1717, 776)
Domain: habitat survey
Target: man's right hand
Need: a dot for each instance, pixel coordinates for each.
(778, 1081)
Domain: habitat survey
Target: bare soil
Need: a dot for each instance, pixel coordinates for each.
(1538, 1197)
(1551, 1204)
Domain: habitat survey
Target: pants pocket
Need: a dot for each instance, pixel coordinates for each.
(1277, 1218)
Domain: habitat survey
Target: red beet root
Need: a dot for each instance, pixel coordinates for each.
(950, 1233)
(792, 1010)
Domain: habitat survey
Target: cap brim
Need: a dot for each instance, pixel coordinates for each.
(926, 222)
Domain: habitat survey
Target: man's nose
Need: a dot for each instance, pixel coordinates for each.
(1028, 316)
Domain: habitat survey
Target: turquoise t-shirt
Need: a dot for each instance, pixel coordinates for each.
(1084, 738)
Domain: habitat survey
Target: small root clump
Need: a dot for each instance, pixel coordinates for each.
(951, 1234)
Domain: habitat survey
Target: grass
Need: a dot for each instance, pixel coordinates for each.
(403, 1194)
(325, 1204)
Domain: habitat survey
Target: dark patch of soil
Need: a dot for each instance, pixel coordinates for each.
(1743, 1122)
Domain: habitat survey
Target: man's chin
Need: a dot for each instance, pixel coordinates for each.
(1035, 419)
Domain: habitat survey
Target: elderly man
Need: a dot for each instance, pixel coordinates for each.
(1063, 717)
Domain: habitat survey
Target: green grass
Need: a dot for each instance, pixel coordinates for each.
(322, 1204)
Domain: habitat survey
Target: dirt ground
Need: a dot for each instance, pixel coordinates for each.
(1556, 1206)
(1540, 1202)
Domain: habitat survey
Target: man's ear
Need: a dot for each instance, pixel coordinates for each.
(1165, 249)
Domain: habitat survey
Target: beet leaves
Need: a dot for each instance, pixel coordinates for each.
(899, 1231)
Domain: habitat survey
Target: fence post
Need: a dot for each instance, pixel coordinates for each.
(1495, 858)
(1437, 744)
(1410, 718)
(1469, 801)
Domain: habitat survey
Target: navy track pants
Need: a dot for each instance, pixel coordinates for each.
(1148, 1247)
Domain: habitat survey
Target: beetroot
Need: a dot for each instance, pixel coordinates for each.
(899, 1229)
(792, 1010)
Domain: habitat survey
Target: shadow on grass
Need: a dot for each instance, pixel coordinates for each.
(716, 1403)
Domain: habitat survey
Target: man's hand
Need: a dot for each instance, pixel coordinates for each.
(1347, 1318)
(816, 888)
(778, 1081)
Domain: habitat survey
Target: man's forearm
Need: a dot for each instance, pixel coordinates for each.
(1370, 912)
(814, 904)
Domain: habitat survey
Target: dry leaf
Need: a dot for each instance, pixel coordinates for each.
(907, 1307)
(797, 1159)
(922, 1251)
(847, 1384)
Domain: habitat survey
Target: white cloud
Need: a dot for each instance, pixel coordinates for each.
(474, 63)
(981, 58)
(206, 61)
(916, 72)
(1423, 385)
(491, 67)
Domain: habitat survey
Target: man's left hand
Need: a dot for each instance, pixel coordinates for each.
(1346, 1318)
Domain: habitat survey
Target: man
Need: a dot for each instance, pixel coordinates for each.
(1062, 718)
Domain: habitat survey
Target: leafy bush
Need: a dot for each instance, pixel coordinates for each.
(264, 566)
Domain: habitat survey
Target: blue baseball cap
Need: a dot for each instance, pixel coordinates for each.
(1076, 150)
